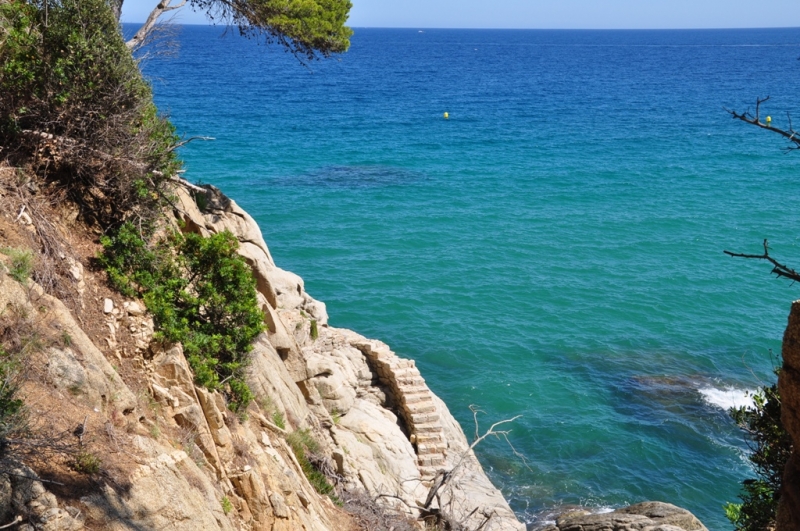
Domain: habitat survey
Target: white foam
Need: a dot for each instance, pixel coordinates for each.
(727, 397)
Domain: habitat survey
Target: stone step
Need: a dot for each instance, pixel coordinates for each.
(434, 447)
(426, 406)
(429, 427)
(415, 397)
(408, 381)
(427, 473)
(416, 389)
(427, 438)
(423, 418)
(406, 372)
(437, 461)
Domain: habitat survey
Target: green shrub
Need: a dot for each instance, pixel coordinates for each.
(314, 330)
(279, 420)
(306, 448)
(227, 506)
(86, 463)
(201, 294)
(771, 446)
(21, 263)
(12, 412)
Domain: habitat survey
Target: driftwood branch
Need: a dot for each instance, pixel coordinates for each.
(755, 119)
(779, 269)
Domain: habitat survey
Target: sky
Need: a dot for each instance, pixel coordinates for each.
(544, 14)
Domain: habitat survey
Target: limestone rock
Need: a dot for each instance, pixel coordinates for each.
(472, 488)
(134, 308)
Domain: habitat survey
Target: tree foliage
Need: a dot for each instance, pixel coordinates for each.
(201, 293)
(74, 106)
(771, 447)
(303, 27)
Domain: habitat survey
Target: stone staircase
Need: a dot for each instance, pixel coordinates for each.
(414, 404)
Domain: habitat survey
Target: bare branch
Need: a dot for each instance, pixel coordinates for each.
(184, 142)
(15, 521)
(141, 36)
(443, 477)
(779, 269)
(790, 134)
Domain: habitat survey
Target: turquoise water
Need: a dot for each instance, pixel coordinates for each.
(553, 250)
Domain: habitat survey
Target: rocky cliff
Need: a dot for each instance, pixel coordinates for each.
(789, 389)
(158, 452)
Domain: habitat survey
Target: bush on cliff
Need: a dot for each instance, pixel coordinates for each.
(75, 108)
(771, 446)
(201, 293)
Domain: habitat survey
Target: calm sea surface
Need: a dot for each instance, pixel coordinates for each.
(553, 250)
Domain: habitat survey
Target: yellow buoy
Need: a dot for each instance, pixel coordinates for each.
(446, 116)
(769, 120)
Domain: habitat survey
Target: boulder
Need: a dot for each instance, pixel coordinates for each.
(645, 516)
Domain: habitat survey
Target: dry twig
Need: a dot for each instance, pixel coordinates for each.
(778, 268)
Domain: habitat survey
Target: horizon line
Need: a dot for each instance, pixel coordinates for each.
(516, 29)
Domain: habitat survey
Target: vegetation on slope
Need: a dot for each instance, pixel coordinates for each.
(76, 111)
(771, 447)
(201, 293)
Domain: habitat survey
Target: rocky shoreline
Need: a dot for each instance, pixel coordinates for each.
(178, 459)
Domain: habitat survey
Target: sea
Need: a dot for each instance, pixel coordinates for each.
(552, 249)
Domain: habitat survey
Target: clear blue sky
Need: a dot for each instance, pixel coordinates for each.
(545, 14)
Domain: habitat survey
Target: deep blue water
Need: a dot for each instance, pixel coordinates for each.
(552, 250)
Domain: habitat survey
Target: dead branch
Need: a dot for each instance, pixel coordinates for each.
(790, 134)
(444, 477)
(779, 269)
(15, 521)
(190, 139)
(141, 36)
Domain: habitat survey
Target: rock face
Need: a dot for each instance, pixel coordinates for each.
(647, 516)
(387, 432)
(789, 389)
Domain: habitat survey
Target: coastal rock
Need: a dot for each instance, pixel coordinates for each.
(168, 491)
(645, 516)
(788, 518)
(80, 368)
